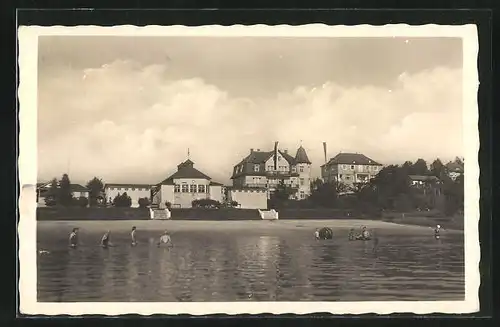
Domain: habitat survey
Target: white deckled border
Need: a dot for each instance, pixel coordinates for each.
(28, 59)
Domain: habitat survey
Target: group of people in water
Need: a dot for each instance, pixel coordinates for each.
(365, 235)
(106, 239)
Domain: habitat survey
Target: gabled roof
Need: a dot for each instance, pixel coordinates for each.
(185, 170)
(352, 158)
(78, 188)
(258, 157)
(301, 156)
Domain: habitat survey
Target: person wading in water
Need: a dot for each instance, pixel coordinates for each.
(316, 234)
(165, 239)
(132, 236)
(437, 232)
(105, 240)
(352, 235)
(73, 238)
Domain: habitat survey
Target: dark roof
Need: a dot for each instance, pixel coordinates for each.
(258, 157)
(216, 184)
(185, 170)
(127, 185)
(423, 178)
(78, 188)
(301, 156)
(352, 158)
(455, 167)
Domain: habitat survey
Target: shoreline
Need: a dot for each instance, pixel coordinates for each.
(226, 226)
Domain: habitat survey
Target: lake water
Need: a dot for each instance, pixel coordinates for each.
(242, 266)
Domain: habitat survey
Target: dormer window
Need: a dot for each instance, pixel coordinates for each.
(256, 167)
(301, 169)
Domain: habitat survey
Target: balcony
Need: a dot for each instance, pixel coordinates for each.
(281, 174)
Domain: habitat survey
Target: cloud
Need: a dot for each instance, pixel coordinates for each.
(127, 122)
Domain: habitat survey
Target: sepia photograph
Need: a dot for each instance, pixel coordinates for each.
(248, 169)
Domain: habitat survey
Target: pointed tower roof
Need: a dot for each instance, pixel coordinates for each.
(301, 156)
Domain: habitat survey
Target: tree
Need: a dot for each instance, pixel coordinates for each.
(325, 195)
(96, 189)
(122, 200)
(65, 196)
(51, 196)
(419, 168)
(280, 196)
(143, 202)
(438, 169)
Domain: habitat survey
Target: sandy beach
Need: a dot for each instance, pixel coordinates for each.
(227, 226)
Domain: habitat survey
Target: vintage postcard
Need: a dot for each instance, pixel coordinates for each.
(248, 169)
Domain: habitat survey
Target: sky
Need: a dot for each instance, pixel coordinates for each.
(127, 109)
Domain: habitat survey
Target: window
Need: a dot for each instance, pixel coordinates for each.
(301, 181)
(119, 188)
(269, 167)
(126, 188)
(201, 188)
(185, 188)
(294, 169)
(301, 169)
(192, 188)
(256, 167)
(177, 188)
(352, 167)
(133, 189)
(302, 195)
(111, 188)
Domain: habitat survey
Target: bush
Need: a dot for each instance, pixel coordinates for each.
(234, 204)
(143, 202)
(122, 200)
(82, 201)
(50, 201)
(205, 203)
(168, 205)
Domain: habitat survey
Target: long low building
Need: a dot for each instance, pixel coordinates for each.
(134, 191)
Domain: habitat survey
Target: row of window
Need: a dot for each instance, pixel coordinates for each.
(193, 188)
(128, 189)
(363, 167)
(256, 168)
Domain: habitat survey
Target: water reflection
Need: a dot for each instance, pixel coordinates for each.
(228, 267)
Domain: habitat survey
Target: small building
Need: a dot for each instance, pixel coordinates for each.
(134, 191)
(455, 169)
(43, 191)
(184, 186)
(350, 169)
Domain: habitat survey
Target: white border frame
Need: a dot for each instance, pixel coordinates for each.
(28, 59)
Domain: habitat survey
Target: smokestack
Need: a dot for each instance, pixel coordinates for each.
(324, 150)
(276, 155)
(251, 150)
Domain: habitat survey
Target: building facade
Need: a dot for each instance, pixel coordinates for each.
(134, 191)
(265, 170)
(184, 186)
(42, 191)
(350, 169)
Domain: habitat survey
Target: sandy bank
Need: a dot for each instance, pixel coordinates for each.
(226, 226)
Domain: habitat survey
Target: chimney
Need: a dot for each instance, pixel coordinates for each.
(285, 151)
(258, 150)
(251, 150)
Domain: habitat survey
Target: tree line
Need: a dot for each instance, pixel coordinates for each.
(389, 190)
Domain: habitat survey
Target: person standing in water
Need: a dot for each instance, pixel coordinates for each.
(73, 238)
(437, 231)
(105, 239)
(165, 239)
(316, 234)
(365, 234)
(132, 236)
(352, 235)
